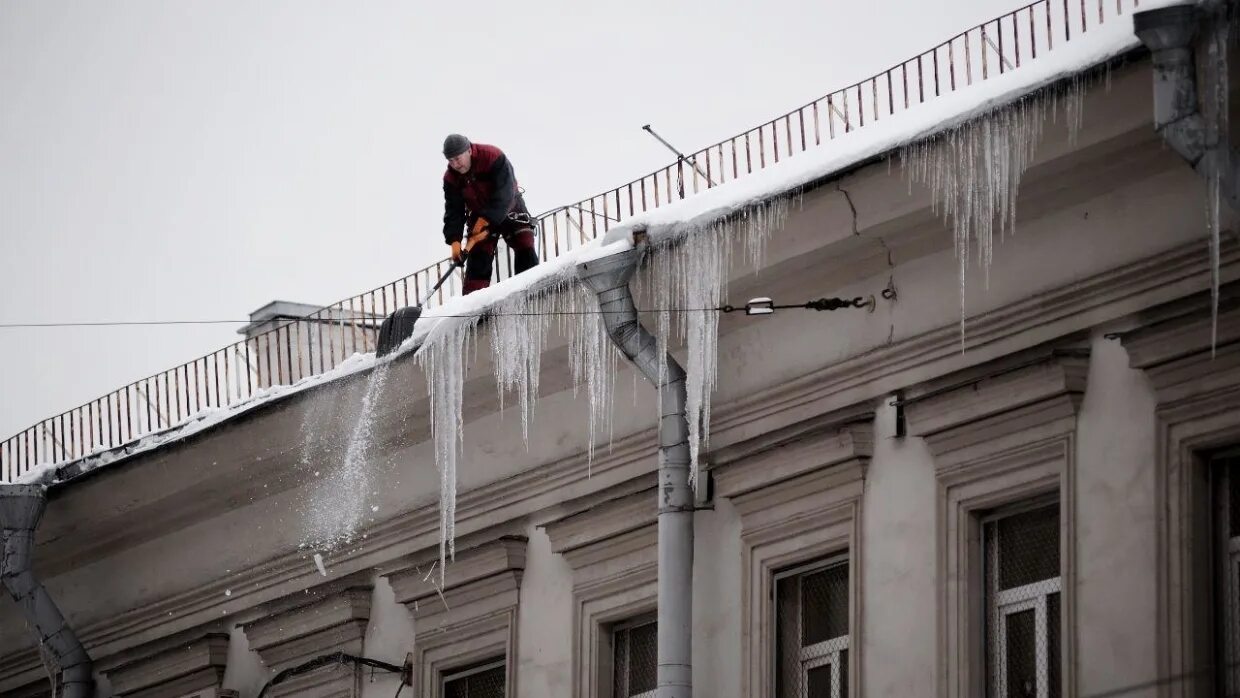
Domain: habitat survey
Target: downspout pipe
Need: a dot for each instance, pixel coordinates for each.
(21, 509)
(608, 277)
(1168, 33)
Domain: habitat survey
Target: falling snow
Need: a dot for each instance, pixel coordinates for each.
(335, 509)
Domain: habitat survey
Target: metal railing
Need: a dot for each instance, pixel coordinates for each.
(294, 349)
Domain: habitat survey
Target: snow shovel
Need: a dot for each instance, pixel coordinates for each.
(398, 326)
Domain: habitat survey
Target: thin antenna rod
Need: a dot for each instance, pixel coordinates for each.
(679, 154)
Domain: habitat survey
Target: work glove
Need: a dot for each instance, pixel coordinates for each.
(479, 231)
(457, 257)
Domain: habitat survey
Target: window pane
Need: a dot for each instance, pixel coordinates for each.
(1028, 547)
(843, 673)
(1053, 680)
(1231, 640)
(819, 682)
(788, 640)
(484, 684)
(1233, 500)
(824, 605)
(620, 664)
(488, 684)
(1020, 655)
(643, 658)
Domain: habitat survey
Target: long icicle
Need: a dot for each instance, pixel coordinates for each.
(442, 357)
(974, 172)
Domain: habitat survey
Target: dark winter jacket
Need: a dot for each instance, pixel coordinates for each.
(488, 190)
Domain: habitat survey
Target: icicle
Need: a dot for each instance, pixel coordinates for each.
(518, 328)
(684, 279)
(1214, 98)
(442, 357)
(593, 360)
(974, 172)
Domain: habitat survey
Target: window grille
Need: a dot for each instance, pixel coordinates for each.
(1023, 590)
(486, 680)
(812, 643)
(1227, 585)
(635, 658)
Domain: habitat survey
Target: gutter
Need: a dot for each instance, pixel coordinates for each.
(608, 277)
(1168, 33)
(21, 509)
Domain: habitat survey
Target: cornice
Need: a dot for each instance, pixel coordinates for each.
(333, 622)
(983, 405)
(606, 520)
(186, 667)
(1178, 355)
(792, 452)
(419, 580)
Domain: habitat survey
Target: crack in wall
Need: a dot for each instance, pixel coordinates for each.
(891, 331)
(852, 207)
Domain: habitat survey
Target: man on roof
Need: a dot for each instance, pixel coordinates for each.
(481, 195)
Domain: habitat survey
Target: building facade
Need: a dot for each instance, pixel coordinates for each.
(1045, 505)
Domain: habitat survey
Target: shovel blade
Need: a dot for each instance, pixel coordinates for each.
(396, 328)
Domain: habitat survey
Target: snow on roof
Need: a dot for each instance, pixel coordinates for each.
(1085, 51)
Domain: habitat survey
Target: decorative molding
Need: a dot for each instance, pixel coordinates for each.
(1111, 294)
(979, 411)
(796, 450)
(188, 666)
(1000, 433)
(1198, 410)
(798, 492)
(472, 617)
(1036, 318)
(335, 622)
(40, 688)
(608, 530)
(1176, 352)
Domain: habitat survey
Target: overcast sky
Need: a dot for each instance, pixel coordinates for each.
(178, 159)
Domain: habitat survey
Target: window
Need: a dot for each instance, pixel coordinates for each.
(485, 680)
(1023, 590)
(811, 653)
(635, 658)
(1227, 585)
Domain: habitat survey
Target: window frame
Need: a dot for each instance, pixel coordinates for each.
(798, 493)
(819, 654)
(1028, 597)
(472, 618)
(1001, 434)
(1224, 466)
(644, 619)
(465, 671)
(1196, 383)
(612, 548)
